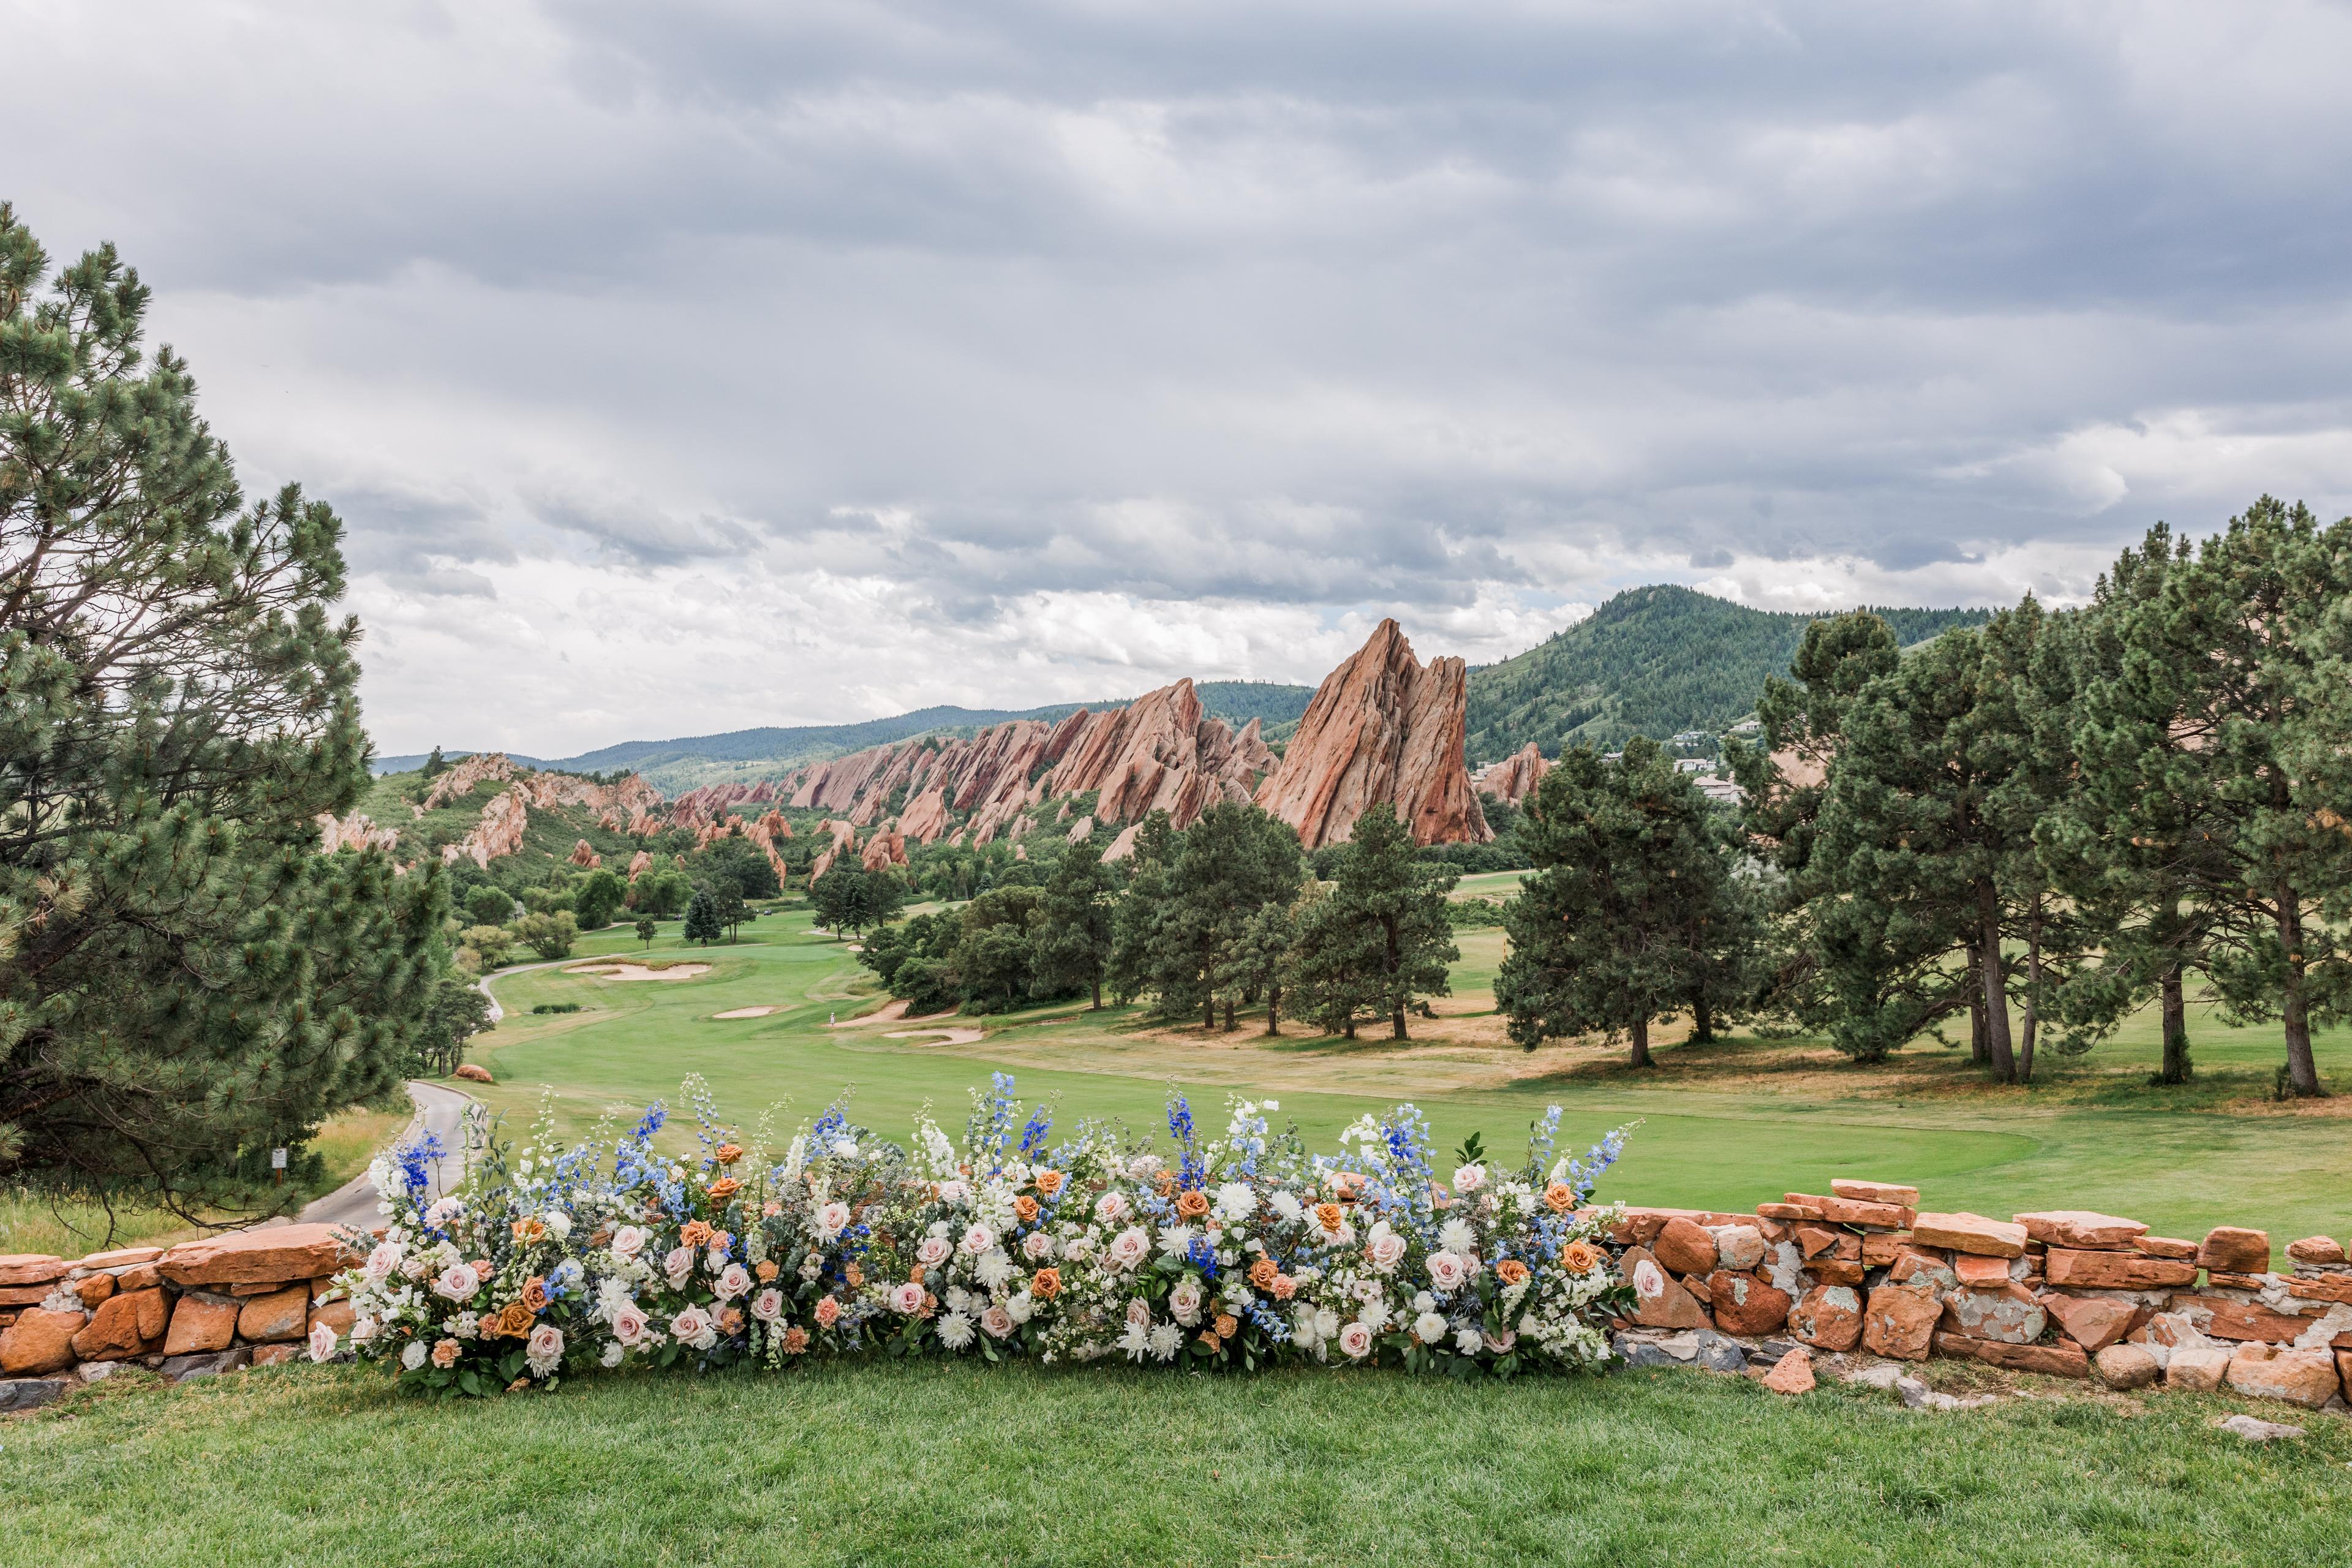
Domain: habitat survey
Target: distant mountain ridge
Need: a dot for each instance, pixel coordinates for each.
(1654, 660)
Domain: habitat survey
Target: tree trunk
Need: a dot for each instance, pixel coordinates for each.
(1229, 1013)
(1273, 1009)
(1980, 1052)
(1398, 1019)
(1641, 1058)
(1350, 1031)
(1209, 1012)
(1996, 994)
(2302, 1072)
(2174, 1006)
(1096, 984)
(2033, 990)
(1702, 1023)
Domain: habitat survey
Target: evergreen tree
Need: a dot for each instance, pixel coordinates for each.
(702, 923)
(1601, 934)
(488, 905)
(1188, 899)
(598, 898)
(1333, 968)
(1074, 925)
(2213, 746)
(435, 765)
(646, 931)
(182, 975)
(1258, 960)
(1379, 882)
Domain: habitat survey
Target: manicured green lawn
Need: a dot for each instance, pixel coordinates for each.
(958, 1464)
(1722, 1126)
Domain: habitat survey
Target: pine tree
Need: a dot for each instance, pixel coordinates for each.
(182, 975)
(1601, 935)
(1188, 898)
(1075, 924)
(1258, 960)
(702, 922)
(1379, 882)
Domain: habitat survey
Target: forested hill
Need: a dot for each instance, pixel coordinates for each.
(1650, 661)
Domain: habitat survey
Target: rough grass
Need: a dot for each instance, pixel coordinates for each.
(1724, 1126)
(933, 1463)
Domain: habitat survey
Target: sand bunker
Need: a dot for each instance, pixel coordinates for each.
(639, 971)
(749, 1012)
(888, 1013)
(958, 1036)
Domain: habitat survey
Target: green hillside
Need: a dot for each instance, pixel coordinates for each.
(1650, 661)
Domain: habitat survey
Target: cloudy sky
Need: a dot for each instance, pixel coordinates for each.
(692, 367)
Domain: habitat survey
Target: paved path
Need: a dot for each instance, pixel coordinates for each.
(440, 1110)
(483, 985)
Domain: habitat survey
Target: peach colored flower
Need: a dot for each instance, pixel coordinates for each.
(529, 1229)
(1026, 1207)
(1285, 1287)
(728, 1153)
(1579, 1257)
(1262, 1273)
(1511, 1271)
(772, 1208)
(828, 1312)
(766, 1271)
(795, 1340)
(914, 1275)
(1164, 1183)
(1225, 1326)
(731, 1321)
(1560, 1197)
(1210, 1342)
(724, 1187)
(1192, 1205)
(694, 1234)
(1049, 1183)
(534, 1294)
(515, 1322)
(854, 1275)
(445, 1355)
(1045, 1284)
(1329, 1215)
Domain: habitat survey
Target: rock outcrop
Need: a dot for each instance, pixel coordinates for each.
(639, 863)
(1515, 778)
(499, 832)
(357, 831)
(885, 851)
(1382, 727)
(584, 856)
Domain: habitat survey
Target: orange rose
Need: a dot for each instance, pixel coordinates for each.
(766, 1271)
(1045, 1284)
(1049, 1181)
(1579, 1257)
(724, 1187)
(728, 1154)
(854, 1275)
(731, 1321)
(1163, 1182)
(795, 1340)
(481, 1268)
(529, 1229)
(695, 1233)
(1329, 1215)
(1026, 1207)
(914, 1275)
(515, 1322)
(1226, 1325)
(1560, 1197)
(534, 1294)
(445, 1355)
(1262, 1273)
(1346, 1184)
(1511, 1271)
(1210, 1342)
(1192, 1204)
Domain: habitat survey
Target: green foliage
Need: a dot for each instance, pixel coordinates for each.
(646, 931)
(661, 891)
(489, 944)
(1385, 921)
(849, 898)
(994, 958)
(489, 905)
(1188, 898)
(1629, 904)
(1073, 929)
(738, 860)
(1650, 661)
(550, 935)
(459, 1011)
(183, 979)
(598, 899)
(727, 902)
(702, 921)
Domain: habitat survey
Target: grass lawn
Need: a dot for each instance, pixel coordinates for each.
(1723, 1126)
(932, 1463)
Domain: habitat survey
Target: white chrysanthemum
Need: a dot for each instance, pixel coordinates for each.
(612, 1354)
(1022, 1305)
(955, 1331)
(961, 1300)
(1166, 1340)
(1429, 1328)
(1285, 1203)
(1135, 1341)
(994, 1268)
(1468, 1340)
(1236, 1201)
(1457, 1235)
(1177, 1240)
(414, 1356)
(558, 1223)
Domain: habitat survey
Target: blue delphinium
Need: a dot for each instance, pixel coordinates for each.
(1585, 1174)
(413, 1158)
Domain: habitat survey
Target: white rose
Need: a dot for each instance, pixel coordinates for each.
(414, 1356)
(1111, 1208)
(612, 1354)
(628, 1241)
(1469, 1179)
(1037, 1246)
(558, 1223)
(362, 1331)
(932, 1251)
(1021, 1307)
(322, 1342)
(952, 1192)
(832, 1220)
(1387, 1249)
(845, 1149)
(1467, 1341)
(1429, 1328)
(1357, 1341)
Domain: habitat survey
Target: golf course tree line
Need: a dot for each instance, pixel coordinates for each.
(185, 983)
(2044, 824)
(1205, 923)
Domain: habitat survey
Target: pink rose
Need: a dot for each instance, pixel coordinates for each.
(828, 1312)
(997, 1321)
(629, 1324)
(1038, 1245)
(1501, 1341)
(907, 1300)
(1130, 1247)
(1138, 1315)
(932, 1251)
(1446, 1271)
(734, 1281)
(628, 1241)
(1387, 1251)
(1469, 1179)
(978, 1239)
(322, 1343)
(693, 1327)
(679, 1265)
(1111, 1208)
(445, 1353)
(832, 1220)
(457, 1283)
(1357, 1341)
(545, 1345)
(768, 1305)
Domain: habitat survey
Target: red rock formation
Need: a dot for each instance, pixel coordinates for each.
(639, 864)
(499, 832)
(926, 816)
(1516, 776)
(354, 832)
(462, 777)
(585, 857)
(885, 849)
(1382, 727)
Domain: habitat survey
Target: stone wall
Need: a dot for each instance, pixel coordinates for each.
(1863, 1268)
(246, 1297)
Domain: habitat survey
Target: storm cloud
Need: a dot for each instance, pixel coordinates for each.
(687, 367)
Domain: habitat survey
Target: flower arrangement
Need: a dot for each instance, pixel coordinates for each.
(1239, 1254)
